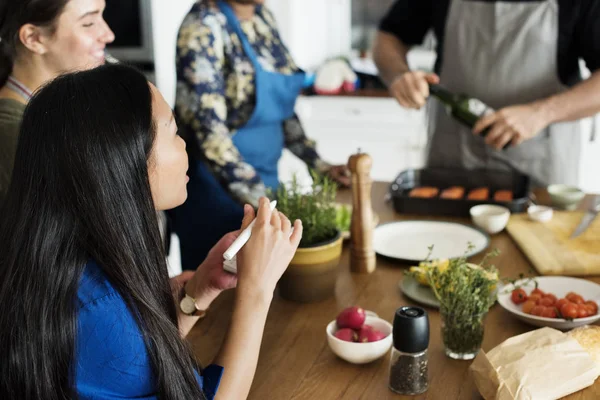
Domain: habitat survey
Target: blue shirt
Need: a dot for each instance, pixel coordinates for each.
(112, 361)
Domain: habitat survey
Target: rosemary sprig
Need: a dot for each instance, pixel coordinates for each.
(314, 207)
(463, 288)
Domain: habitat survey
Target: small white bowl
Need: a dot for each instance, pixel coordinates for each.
(565, 197)
(540, 213)
(361, 353)
(490, 218)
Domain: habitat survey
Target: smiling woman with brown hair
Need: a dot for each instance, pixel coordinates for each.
(39, 39)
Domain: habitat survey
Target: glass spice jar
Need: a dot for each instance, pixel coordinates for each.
(409, 372)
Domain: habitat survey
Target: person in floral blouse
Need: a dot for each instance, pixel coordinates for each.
(236, 89)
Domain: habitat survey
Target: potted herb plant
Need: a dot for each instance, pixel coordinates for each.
(312, 274)
(466, 292)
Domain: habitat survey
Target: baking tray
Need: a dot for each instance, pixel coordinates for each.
(443, 178)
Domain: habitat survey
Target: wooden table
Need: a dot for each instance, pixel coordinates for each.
(296, 362)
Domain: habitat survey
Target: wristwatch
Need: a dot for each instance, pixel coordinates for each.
(188, 306)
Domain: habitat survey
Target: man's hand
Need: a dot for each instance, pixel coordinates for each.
(512, 125)
(411, 89)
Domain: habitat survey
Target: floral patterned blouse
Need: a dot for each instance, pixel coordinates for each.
(216, 92)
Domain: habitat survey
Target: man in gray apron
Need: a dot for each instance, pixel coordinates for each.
(519, 57)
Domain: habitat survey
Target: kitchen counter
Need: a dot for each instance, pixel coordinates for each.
(296, 362)
(378, 93)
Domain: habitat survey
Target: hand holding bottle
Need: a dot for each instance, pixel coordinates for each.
(467, 110)
(511, 126)
(411, 89)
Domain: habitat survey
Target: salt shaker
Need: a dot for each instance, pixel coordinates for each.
(408, 365)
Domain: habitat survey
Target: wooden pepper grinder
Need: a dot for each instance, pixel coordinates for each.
(362, 255)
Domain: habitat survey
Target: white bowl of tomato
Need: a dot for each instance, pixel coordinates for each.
(558, 302)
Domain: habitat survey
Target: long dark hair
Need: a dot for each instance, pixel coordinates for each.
(79, 191)
(16, 13)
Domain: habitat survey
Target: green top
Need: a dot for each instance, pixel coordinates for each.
(11, 113)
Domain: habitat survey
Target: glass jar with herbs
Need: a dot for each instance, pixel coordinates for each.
(462, 334)
(466, 292)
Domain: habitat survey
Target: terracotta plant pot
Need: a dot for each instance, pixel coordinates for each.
(312, 274)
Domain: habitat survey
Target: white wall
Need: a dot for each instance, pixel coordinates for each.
(314, 30)
(166, 19)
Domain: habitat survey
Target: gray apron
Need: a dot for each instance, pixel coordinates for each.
(504, 54)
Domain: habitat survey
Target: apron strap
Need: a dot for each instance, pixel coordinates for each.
(234, 22)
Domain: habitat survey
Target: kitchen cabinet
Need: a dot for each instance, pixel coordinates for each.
(393, 136)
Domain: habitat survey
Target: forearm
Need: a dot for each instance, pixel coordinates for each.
(299, 144)
(186, 323)
(389, 54)
(581, 101)
(239, 353)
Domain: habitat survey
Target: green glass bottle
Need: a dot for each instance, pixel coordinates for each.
(464, 109)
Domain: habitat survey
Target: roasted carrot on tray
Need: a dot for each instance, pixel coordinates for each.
(503, 195)
(424, 192)
(453, 193)
(482, 193)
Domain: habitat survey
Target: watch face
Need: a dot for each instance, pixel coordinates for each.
(188, 305)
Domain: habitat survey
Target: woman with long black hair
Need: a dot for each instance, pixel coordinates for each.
(88, 309)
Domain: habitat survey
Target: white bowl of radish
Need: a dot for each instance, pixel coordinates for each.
(359, 336)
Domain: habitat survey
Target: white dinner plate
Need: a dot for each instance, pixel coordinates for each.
(558, 286)
(409, 241)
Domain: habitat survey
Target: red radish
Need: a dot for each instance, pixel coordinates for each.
(351, 317)
(363, 334)
(346, 334)
(374, 335)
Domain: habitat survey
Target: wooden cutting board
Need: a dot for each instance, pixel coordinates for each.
(549, 247)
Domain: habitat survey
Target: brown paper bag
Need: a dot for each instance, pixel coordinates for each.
(544, 364)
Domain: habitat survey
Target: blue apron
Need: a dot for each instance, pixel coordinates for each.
(210, 211)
